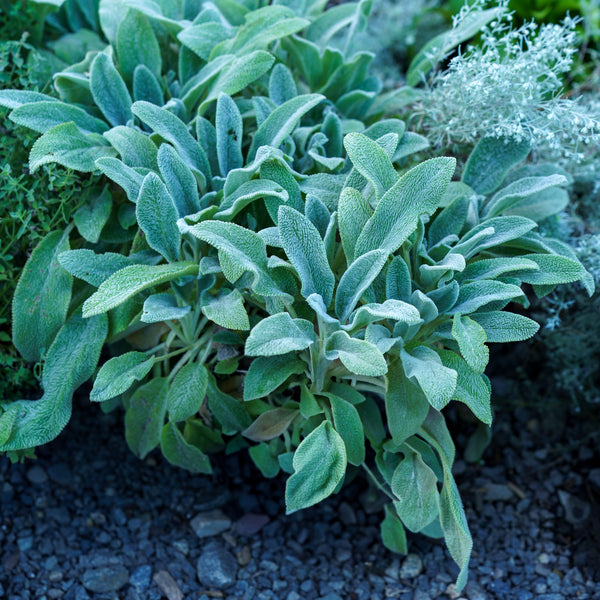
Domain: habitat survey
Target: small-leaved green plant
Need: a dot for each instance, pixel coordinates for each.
(272, 271)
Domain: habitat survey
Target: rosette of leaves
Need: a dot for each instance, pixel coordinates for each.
(398, 289)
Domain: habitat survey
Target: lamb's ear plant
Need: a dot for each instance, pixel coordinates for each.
(268, 274)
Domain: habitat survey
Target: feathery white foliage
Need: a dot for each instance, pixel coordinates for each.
(510, 86)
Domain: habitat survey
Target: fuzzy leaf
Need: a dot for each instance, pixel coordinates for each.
(42, 297)
(109, 91)
(186, 392)
(202, 38)
(359, 276)
(319, 466)
(122, 175)
(347, 423)
(226, 409)
(118, 374)
(473, 296)
(415, 486)
(181, 453)
(162, 307)
(471, 340)
(394, 310)
(127, 282)
(306, 251)
(157, 217)
(393, 534)
(145, 416)
(229, 128)
(91, 218)
(69, 147)
(92, 268)
(266, 374)
(135, 148)
(226, 309)
(418, 192)
(279, 334)
(249, 192)
(437, 381)
(270, 424)
(180, 181)
(503, 326)
(15, 98)
(552, 270)
(282, 86)
(358, 356)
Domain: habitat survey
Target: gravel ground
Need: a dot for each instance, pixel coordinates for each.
(88, 520)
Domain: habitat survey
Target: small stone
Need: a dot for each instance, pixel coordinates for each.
(475, 592)
(209, 523)
(182, 546)
(251, 524)
(37, 475)
(168, 585)
(497, 492)
(61, 474)
(393, 570)
(55, 576)
(55, 593)
(293, 596)
(576, 511)
(594, 477)
(216, 566)
(244, 556)
(105, 579)
(25, 544)
(140, 578)
(421, 595)
(411, 567)
(543, 558)
(451, 592)
(347, 514)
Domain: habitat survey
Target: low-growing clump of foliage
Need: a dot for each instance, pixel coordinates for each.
(270, 269)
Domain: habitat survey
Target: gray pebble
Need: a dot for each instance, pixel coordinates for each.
(37, 475)
(105, 579)
(411, 567)
(216, 566)
(497, 492)
(140, 577)
(209, 523)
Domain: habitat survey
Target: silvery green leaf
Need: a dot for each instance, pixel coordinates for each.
(109, 91)
(393, 534)
(471, 340)
(552, 269)
(515, 192)
(69, 147)
(473, 296)
(425, 366)
(353, 213)
(472, 388)
(202, 38)
(41, 298)
(540, 206)
(282, 121)
(174, 131)
(206, 135)
(70, 362)
(371, 161)
(267, 373)
(280, 172)
(309, 407)
(319, 466)
(357, 278)
(417, 192)
(398, 284)
(226, 309)
(92, 268)
(358, 356)
(445, 296)
(146, 86)
(456, 531)
(381, 337)
(394, 310)
(118, 374)
(306, 251)
(279, 334)
(502, 326)
(325, 186)
(238, 74)
(504, 229)
(110, 14)
(15, 98)
(129, 281)
(91, 218)
(491, 268)
(316, 303)
(157, 217)
(42, 116)
(410, 143)
(227, 410)
(415, 486)
(229, 128)
(491, 160)
(370, 415)
(180, 181)
(317, 213)
(264, 460)
(165, 13)
(430, 275)
(425, 305)
(122, 175)
(162, 307)
(450, 221)
(181, 453)
(282, 86)
(347, 423)
(137, 45)
(145, 416)
(270, 424)
(186, 392)
(136, 148)
(240, 251)
(247, 193)
(406, 405)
